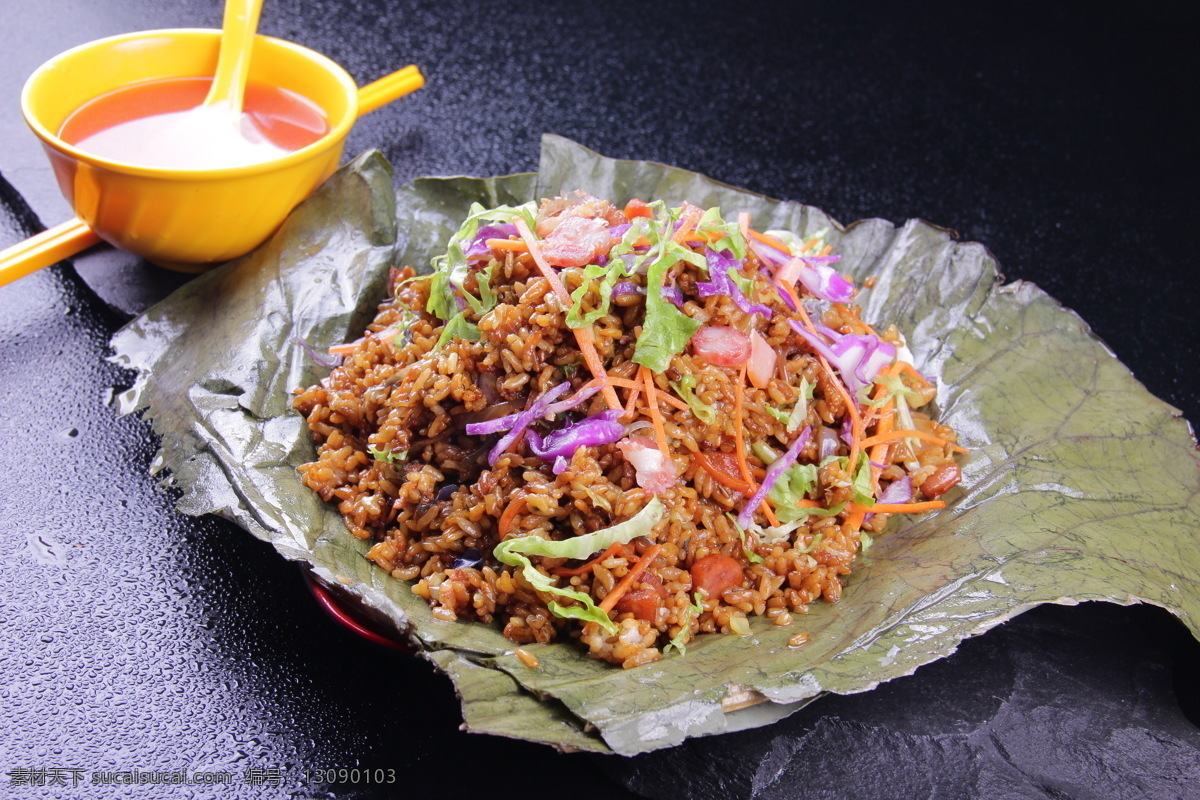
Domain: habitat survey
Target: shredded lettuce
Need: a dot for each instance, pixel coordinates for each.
(640, 524)
(451, 269)
(800, 411)
(703, 411)
(459, 327)
(666, 330)
(861, 485)
(864, 542)
(623, 262)
(795, 418)
(732, 240)
(793, 485)
(514, 552)
(590, 273)
(587, 610)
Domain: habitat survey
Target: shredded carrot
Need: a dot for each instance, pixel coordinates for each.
(344, 349)
(738, 439)
(660, 431)
(826, 250)
(740, 446)
(665, 397)
(854, 519)
(614, 549)
(856, 428)
(510, 512)
(631, 403)
(636, 570)
(810, 244)
(726, 478)
(769, 241)
(880, 450)
(903, 433)
(721, 476)
(583, 335)
(765, 507)
(901, 508)
(514, 245)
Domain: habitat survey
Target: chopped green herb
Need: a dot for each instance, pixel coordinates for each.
(388, 455)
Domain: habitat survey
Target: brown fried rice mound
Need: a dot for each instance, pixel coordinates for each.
(396, 457)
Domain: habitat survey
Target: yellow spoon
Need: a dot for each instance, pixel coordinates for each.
(74, 236)
(233, 63)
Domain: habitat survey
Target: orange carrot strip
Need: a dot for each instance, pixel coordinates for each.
(660, 431)
(666, 397)
(738, 439)
(903, 433)
(765, 507)
(510, 512)
(636, 570)
(887, 415)
(901, 508)
(583, 335)
(631, 404)
(740, 447)
(769, 241)
(344, 349)
(854, 519)
(515, 245)
(721, 476)
(851, 405)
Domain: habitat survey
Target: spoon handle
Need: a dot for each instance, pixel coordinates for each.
(389, 88)
(48, 247)
(233, 63)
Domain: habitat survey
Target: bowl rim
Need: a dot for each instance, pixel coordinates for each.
(332, 138)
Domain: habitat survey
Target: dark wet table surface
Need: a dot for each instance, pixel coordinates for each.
(133, 638)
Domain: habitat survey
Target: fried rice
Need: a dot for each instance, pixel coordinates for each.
(627, 426)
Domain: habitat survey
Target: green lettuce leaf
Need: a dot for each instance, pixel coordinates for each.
(514, 552)
(666, 330)
(580, 547)
(1054, 507)
(702, 410)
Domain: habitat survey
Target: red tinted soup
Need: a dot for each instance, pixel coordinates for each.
(162, 124)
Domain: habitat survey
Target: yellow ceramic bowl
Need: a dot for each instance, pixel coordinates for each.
(181, 218)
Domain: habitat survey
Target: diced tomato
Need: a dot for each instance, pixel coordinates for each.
(721, 346)
(653, 471)
(762, 361)
(642, 603)
(576, 241)
(636, 208)
(715, 574)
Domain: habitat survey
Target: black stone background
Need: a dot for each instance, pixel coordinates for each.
(1060, 136)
